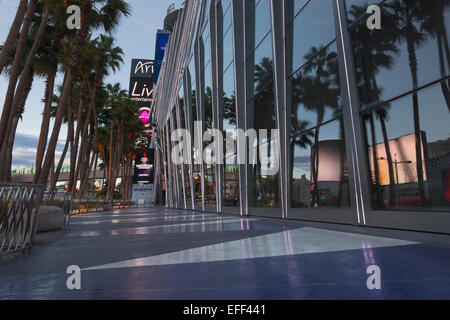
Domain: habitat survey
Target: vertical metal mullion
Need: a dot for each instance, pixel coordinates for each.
(169, 185)
(279, 53)
(352, 119)
(213, 23)
(178, 115)
(200, 108)
(188, 125)
(174, 166)
(238, 25)
(288, 45)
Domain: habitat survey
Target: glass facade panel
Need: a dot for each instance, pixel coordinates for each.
(407, 53)
(227, 48)
(225, 7)
(210, 170)
(263, 20)
(409, 152)
(319, 174)
(196, 153)
(178, 177)
(400, 92)
(312, 30)
(263, 183)
(260, 67)
(186, 167)
(231, 169)
(315, 91)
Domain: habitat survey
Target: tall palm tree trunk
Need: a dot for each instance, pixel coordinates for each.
(15, 70)
(7, 152)
(444, 50)
(109, 180)
(80, 124)
(22, 86)
(376, 175)
(417, 130)
(67, 89)
(86, 164)
(392, 184)
(43, 135)
(57, 172)
(13, 33)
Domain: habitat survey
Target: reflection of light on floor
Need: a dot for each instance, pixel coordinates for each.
(292, 242)
(369, 255)
(143, 220)
(171, 228)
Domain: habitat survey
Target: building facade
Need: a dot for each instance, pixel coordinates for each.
(358, 117)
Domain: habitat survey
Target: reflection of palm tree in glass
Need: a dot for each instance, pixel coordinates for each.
(208, 109)
(406, 17)
(264, 118)
(299, 138)
(316, 89)
(229, 109)
(431, 16)
(373, 51)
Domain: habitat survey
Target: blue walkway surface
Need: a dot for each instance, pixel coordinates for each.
(167, 254)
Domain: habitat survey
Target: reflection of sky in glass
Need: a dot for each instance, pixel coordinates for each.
(313, 27)
(262, 20)
(298, 4)
(434, 116)
(227, 14)
(228, 48)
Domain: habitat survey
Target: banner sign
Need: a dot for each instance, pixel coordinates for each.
(162, 38)
(143, 168)
(141, 82)
(141, 91)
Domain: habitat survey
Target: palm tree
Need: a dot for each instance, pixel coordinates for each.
(407, 22)
(14, 76)
(13, 33)
(318, 92)
(84, 69)
(374, 51)
(107, 57)
(105, 13)
(53, 45)
(431, 17)
(30, 60)
(299, 137)
(264, 117)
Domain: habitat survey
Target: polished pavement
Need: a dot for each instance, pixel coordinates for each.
(169, 254)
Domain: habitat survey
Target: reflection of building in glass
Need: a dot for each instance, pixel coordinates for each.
(331, 173)
(403, 153)
(439, 172)
(301, 192)
(362, 114)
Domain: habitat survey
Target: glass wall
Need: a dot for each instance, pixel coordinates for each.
(208, 120)
(406, 128)
(186, 167)
(367, 112)
(317, 154)
(177, 175)
(196, 154)
(263, 184)
(226, 89)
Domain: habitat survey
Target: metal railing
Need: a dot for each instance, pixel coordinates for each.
(88, 204)
(19, 208)
(62, 200)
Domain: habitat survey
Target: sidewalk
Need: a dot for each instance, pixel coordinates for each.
(168, 254)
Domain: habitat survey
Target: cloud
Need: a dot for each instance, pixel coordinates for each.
(25, 148)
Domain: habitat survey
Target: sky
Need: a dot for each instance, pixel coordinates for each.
(135, 35)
